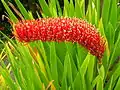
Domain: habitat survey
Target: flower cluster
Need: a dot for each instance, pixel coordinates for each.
(62, 29)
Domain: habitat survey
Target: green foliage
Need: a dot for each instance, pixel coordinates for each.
(63, 66)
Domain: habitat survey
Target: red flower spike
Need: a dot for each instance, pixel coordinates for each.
(62, 29)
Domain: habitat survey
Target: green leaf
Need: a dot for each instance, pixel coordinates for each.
(116, 52)
(110, 33)
(106, 12)
(91, 66)
(52, 8)
(43, 78)
(60, 69)
(84, 65)
(44, 51)
(64, 78)
(71, 9)
(94, 82)
(101, 27)
(64, 84)
(99, 84)
(45, 8)
(78, 12)
(8, 79)
(22, 9)
(83, 70)
(84, 85)
(53, 64)
(78, 82)
(11, 15)
(98, 9)
(71, 49)
(91, 14)
(11, 57)
(89, 11)
(30, 15)
(66, 8)
(82, 52)
(102, 72)
(82, 6)
(69, 70)
(88, 82)
(61, 51)
(113, 13)
(117, 87)
(116, 74)
(59, 10)
(117, 32)
(118, 12)
(110, 85)
(94, 15)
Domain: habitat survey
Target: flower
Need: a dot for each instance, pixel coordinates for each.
(62, 29)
